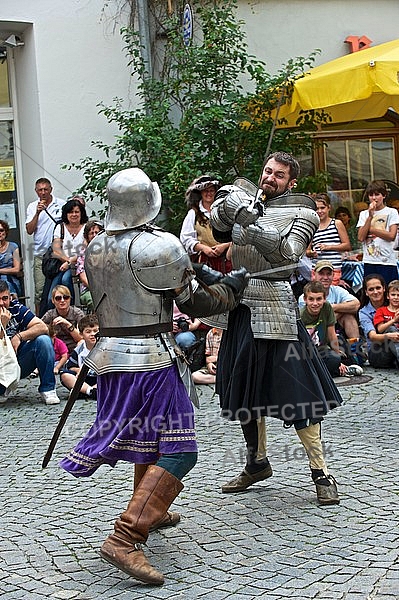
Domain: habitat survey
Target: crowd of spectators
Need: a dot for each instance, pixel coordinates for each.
(348, 328)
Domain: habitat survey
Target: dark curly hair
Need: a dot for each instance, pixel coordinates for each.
(67, 208)
(193, 195)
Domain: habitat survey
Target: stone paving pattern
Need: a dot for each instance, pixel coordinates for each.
(272, 541)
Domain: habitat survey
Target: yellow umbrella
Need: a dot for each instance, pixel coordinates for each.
(362, 85)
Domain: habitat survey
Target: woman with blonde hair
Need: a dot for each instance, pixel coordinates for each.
(64, 317)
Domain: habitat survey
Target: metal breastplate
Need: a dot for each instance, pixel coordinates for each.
(274, 311)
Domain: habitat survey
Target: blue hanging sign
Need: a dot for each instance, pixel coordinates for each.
(187, 25)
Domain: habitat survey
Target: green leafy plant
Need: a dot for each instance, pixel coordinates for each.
(195, 117)
(314, 184)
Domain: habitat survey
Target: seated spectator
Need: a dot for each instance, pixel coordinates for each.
(344, 304)
(183, 328)
(64, 317)
(330, 240)
(381, 347)
(10, 261)
(31, 342)
(60, 350)
(318, 317)
(207, 375)
(91, 229)
(88, 327)
(386, 318)
(301, 276)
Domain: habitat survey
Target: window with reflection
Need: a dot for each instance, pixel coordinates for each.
(353, 163)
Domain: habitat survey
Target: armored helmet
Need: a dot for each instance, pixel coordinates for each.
(133, 200)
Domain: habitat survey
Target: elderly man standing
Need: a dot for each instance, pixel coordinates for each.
(265, 364)
(41, 216)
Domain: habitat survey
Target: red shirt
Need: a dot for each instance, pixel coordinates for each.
(382, 315)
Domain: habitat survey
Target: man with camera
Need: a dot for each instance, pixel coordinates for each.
(183, 327)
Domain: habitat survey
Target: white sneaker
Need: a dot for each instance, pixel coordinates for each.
(354, 370)
(50, 397)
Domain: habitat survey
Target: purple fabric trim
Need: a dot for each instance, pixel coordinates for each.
(139, 417)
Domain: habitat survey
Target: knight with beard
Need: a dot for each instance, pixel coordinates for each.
(267, 365)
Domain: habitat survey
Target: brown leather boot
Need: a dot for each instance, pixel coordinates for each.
(170, 518)
(139, 472)
(150, 501)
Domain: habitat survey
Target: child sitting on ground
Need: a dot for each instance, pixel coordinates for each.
(60, 350)
(60, 353)
(386, 318)
(88, 327)
(319, 319)
(212, 344)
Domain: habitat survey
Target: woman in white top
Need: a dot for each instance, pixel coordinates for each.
(377, 229)
(68, 242)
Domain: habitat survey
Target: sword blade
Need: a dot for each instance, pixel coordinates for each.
(65, 414)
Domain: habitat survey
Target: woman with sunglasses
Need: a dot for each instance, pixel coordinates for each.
(64, 317)
(10, 261)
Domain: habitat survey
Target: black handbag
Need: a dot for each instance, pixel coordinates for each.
(51, 264)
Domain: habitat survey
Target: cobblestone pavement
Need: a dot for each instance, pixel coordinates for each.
(272, 541)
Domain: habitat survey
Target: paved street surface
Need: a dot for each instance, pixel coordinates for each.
(272, 541)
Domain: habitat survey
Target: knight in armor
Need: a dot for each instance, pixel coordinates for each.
(144, 413)
(266, 364)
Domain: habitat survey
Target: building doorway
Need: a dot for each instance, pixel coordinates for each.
(8, 188)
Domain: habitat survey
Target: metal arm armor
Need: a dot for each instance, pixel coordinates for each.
(300, 235)
(232, 205)
(265, 239)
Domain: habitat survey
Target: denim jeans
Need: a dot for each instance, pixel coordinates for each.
(185, 339)
(331, 359)
(38, 354)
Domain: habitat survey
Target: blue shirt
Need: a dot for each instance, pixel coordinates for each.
(366, 316)
(21, 316)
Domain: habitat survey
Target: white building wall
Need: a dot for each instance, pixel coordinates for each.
(278, 31)
(72, 59)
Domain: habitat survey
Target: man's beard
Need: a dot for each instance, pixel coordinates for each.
(270, 191)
